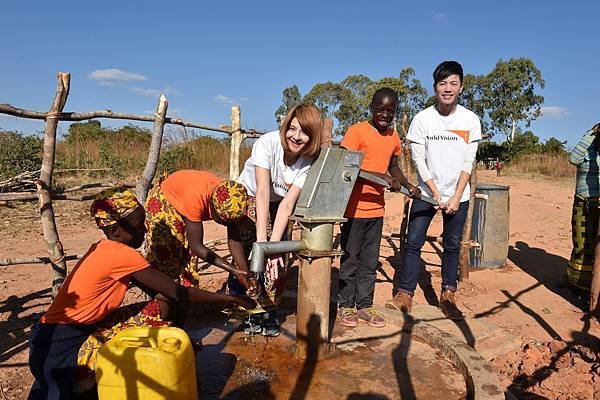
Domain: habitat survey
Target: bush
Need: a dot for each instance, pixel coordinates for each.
(19, 153)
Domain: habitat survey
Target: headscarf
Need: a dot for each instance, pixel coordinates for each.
(113, 204)
(230, 200)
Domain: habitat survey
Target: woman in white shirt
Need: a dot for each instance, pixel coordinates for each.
(274, 176)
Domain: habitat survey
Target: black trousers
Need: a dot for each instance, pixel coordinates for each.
(360, 239)
(53, 350)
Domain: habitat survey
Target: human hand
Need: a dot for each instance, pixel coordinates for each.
(253, 289)
(244, 301)
(393, 183)
(273, 264)
(452, 205)
(242, 277)
(415, 192)
(438, 197)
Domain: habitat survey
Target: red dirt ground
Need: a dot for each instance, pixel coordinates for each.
(559, 358)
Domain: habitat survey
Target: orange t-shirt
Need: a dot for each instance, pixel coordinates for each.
(188, 191)
(97, 284)
(367, 200)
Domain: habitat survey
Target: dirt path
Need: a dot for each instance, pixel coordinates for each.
(523, 298)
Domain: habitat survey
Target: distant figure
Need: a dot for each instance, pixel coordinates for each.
(498, 167)
(584, 221)
(444, 141)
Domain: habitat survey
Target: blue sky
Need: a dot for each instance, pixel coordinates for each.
(206, 56)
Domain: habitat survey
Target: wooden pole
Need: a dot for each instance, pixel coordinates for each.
(145, 180)
(44, 184)
(237, 138)
(465, 244)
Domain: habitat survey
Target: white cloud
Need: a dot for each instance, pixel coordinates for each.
(554, 112)
(112, 75)
(228, 100)
(439, 16)
(168, 90)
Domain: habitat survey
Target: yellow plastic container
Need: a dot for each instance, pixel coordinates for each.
(147, 364)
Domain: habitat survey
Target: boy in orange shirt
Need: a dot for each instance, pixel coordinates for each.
(361, 234)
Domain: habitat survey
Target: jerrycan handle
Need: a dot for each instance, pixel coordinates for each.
(132, 341)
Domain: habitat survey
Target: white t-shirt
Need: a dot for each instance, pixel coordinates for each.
(445, 139)
(267, 153)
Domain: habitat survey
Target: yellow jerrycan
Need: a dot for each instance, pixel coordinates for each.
(147, 363)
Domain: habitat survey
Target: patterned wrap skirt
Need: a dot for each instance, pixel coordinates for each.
(584, 225)
(166, 246)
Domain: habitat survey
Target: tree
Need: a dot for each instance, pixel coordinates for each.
(472, 97)
(553, 145)
(523, 143)
(291, 97)
(510, 95)
(347, 102)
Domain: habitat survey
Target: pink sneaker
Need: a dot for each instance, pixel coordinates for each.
(348, 317)
(370, 316)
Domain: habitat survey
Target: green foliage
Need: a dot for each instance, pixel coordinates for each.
(503, 99)
(524, 143)
(553, 145)
(510, 95)
(175, 158)
(19, 153)
(347, 102)
(291, 98)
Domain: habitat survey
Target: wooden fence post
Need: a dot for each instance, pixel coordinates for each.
(44, 184)
(145, 180)
(465, 244)
(236, 142)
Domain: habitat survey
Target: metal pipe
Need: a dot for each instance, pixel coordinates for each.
(260, 249)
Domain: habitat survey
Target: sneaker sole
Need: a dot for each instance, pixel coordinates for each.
(349, 325)
(371, 324)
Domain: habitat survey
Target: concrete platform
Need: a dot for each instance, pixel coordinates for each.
(488, 339)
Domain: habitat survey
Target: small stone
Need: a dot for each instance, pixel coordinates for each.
(556, 346)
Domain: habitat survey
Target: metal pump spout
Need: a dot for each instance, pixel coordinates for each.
(260, 249)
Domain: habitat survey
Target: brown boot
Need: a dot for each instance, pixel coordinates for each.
(401, 302)
(448, 306)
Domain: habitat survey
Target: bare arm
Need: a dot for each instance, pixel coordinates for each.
(396, 172)
(195, 235)
(161, 283)
(263, 198)
(285, 209)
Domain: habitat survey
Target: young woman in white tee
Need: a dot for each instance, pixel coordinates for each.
(274, 176)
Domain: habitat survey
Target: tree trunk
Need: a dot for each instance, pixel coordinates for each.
(145, 180)
(237, 138)
(44, 184)
(513, 129)
(465, 244)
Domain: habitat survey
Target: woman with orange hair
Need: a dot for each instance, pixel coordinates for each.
(273, 177)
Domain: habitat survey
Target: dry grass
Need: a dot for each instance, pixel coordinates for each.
(552, 165)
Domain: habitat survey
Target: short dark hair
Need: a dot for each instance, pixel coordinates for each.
(384, 92)
(446, 69)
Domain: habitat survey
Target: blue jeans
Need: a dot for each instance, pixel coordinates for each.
(421, 214)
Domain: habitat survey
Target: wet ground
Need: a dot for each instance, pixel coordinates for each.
(232, 365)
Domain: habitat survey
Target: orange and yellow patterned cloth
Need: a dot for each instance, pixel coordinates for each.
(113, 204)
